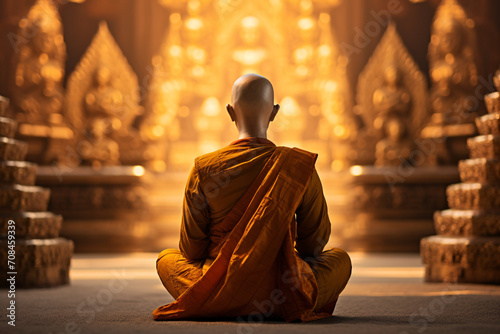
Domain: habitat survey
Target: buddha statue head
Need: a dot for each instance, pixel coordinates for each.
(391, 76)
(102, 76)
(450, 35)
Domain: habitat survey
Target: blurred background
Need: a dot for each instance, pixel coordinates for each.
(115, 99)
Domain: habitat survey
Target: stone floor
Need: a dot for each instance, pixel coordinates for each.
(117, 293)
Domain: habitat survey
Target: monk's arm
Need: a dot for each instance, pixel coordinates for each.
(194, 239)
(313, 224)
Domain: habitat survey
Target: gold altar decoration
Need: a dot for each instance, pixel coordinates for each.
(392, 100)
(37, 93)
(211, 43)
(102, 103)
(453, 75)
(36, 86)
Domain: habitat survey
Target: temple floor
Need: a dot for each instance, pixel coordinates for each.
(116, 293)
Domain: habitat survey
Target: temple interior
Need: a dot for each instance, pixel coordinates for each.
(105, 104)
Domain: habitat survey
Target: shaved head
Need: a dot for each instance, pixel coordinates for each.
(252, 100)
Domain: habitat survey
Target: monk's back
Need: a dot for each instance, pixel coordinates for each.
(225, 175)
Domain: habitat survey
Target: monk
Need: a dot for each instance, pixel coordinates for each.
(254, 226)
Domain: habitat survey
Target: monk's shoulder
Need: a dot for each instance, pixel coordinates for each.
(210, 162)
(303, 155)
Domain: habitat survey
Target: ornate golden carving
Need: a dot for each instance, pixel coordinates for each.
(102, 102)
(289, 42)
(392, 97)
(37, 93)
(452, 65)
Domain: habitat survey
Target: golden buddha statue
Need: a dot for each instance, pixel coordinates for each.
(37, 92)
(102, 105)
(392, 101)
(98, 149)
(395, 148)
(103, 98)
(452, 73)
(391, 98)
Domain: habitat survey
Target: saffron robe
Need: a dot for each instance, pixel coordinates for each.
(237, 252)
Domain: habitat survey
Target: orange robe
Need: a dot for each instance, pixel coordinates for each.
(242, 251)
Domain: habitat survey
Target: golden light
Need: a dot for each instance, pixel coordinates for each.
(302, 70)
(324, 50)
(339, 130)
(198, 71)
(194, 23)
(289, 106)
(331, 86)
(306, 23)
(250, 22)
(175, 51)
(158, 131)
(356, 170)
(210, 107)
(337, 165)
(138, 170)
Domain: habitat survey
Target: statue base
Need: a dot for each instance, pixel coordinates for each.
(104, 210)
(46, 143)
(394, 206)
(450, 142)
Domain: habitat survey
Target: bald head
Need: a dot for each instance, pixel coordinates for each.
(252, 99)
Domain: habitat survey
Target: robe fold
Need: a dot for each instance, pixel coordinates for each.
(248, 262)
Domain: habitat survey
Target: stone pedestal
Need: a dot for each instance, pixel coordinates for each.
(467, 247)
(105, 209)
(395, 205)
(38, 257)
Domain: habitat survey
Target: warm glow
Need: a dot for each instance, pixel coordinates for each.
(194, 23)
(158, 131)
(331, 86)
(250, 22)
(211, 107)
(306, 23)
(289, 106)
(356, 170)
(337, 165)
(324, 50)
(339, 130)
(138, 170)
(175, 51)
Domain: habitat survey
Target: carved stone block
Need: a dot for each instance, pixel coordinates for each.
(11, 149)
(17, 172)
(463, 259)
(24, 198)
(488, 124)
(32, 225)
(467, 223)
(473, 196)
(479, 170)
(486, 146)
(492, 102)
(7, 127)
(38, 263)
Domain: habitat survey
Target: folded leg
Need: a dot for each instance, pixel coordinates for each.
(332, 270)
(176, 272)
